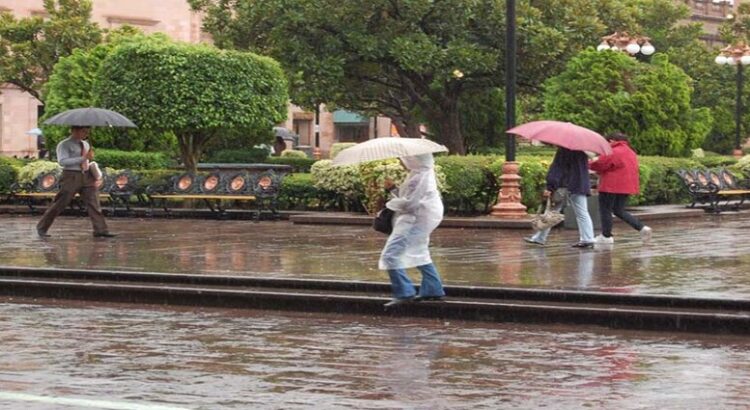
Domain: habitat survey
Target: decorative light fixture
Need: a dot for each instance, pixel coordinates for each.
(622, 41)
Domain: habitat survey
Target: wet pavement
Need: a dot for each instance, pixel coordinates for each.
(701, 256)
(123, 357)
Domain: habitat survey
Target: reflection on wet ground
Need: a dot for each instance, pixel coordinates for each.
(219, 359)
(703, 256)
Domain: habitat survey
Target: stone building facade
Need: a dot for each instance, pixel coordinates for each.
(711, 13)
(19, 111)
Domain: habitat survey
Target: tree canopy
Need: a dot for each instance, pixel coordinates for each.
(413, 60)
(31, 46)
(610, 91)
(194, 91)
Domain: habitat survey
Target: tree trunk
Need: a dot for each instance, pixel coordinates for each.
(407, 127)
(187, 153)
(449, 128)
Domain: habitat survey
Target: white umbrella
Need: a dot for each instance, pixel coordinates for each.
(386, 147)
(34, 131)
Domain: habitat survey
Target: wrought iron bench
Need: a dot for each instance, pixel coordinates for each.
(712, 187)
(221, 186)
(46, 186)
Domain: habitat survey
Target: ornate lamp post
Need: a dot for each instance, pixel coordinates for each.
(622, 41)
(736, 55)
(509, 198)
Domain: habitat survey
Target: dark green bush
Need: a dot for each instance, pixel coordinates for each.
(8, 173)
(298, 191)
(300, 165)
(470, 186)
(244, 156)
(660, 183)
(131, 159)
(716, 161)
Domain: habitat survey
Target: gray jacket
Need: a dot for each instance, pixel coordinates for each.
(69, 154)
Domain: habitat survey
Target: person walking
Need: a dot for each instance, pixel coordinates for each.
(618, 179)
(418, 211)
(74, 154)
(568, 180)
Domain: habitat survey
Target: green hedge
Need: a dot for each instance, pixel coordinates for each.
(298, 191)
(8, 172)
(301, 165)
(131, 159)
(239, 156)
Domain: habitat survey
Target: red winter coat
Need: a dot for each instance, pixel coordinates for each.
(618, 172)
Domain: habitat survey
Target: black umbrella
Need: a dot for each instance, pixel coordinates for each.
(90, 117)
(285, 133)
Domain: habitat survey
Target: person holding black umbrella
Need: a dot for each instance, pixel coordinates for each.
(74, 154)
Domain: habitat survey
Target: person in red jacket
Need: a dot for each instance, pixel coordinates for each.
(618, 179)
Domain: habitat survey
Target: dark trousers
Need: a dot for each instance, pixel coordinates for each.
(615, 203)
(72, 183)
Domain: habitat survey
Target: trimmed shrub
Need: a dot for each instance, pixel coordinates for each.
(338, 147)
(29, 172)
(298, 191)
(293, 153)
(244, 156)
(8, 173)
(373, 175)
(469, 186)
(131, 159)
(299, 164)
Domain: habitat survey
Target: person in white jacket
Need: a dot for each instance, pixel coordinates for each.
(418, 211)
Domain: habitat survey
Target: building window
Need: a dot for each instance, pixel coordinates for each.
(303, 128)
(352, 132)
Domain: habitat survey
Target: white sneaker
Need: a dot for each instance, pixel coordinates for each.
(604, 240)
(646, 234)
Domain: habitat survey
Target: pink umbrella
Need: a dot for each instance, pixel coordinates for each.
(563, 134)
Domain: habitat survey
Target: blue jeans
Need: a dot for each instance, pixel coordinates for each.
(581, 210)
(404, 288)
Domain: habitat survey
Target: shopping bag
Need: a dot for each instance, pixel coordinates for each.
(546, 219)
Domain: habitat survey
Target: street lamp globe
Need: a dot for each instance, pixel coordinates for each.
(745, 60)
(721, 60)
(647, 49)
(633, 47)
(731, 61)
(603, 46)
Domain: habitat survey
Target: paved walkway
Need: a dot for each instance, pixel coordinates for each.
(700, 255)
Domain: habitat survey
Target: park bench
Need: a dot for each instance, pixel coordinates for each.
(47, 185)
(719, 189)
(258, 185)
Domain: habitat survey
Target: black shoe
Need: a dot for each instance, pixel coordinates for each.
(584, 245)
(42, 234)
(399, 301)
(104, 235)
(428, 298)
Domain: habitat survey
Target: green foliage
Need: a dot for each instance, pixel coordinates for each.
(344, 180)
(469, 186)
(132, 159)
(609, 91)
(373, 175)
(246, 156)
(338, 147)
(29, 172)
(31, 46)
(299, 164)
(193, 91)
(293, 153)
(8, 173)
(299, 192)
(72, 85)
(660, 183)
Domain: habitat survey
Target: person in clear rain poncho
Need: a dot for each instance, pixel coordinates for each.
(418, 211)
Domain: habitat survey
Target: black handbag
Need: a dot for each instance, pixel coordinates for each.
(383, 221)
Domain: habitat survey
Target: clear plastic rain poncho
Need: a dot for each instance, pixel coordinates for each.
(419, 211)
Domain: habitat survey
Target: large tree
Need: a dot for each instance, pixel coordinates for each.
(409, 59)
(610, 91)
(194, 91)
(31, 46)
(414, 60)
